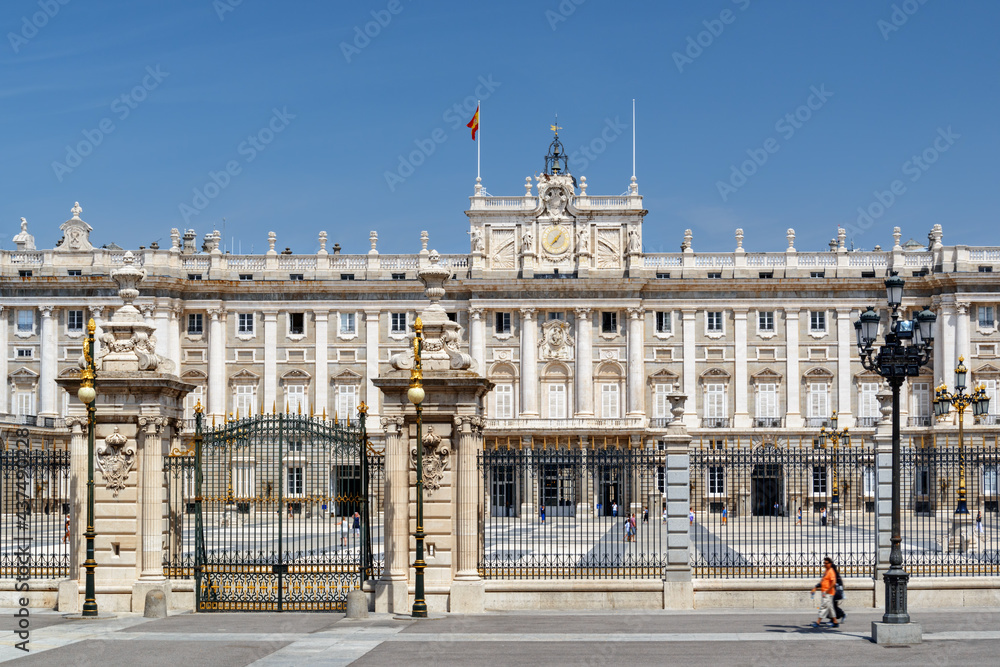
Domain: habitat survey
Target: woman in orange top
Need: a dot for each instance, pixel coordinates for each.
(827, 588)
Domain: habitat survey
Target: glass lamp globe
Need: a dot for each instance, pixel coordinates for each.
(86, 394)
(416, 395)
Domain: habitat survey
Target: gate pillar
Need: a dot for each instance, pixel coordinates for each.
(391, 590)
(678, 588)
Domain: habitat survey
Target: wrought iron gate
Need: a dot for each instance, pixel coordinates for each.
(283, 513)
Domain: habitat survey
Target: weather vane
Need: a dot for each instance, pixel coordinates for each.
(556, 128)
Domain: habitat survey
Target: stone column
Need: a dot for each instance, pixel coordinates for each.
(217, 365)
(151, 497)
(321, 401)
(946, 343)
(477, 338)
(939, 326)
(372, 394)
(741, 418)
(529, 363)
(271, 362)
(846, 346)
(468, 592)
(174, 336)
(391, 590)
(584, 363)
(689, 370)
(793, 414)
(4, 380)
(161, 319)
(962, 332)
(47, 365)
(636, 363)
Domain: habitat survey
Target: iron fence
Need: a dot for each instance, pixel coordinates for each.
(938, 539)
(572, 513)
(773, 507)
(179, 515)
(34, 513)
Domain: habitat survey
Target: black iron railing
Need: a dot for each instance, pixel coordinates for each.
(758, 508)
(573, 513)
(34, 512)
(937, 541)
(179, 516)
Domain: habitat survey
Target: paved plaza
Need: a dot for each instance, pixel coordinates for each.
(745, 637)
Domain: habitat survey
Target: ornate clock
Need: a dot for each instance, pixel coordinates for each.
(555, 239)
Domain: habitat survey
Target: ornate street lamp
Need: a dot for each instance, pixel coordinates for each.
(980, 403)
(836, 437)
(87, 394)
(907, 347)
(416, 394)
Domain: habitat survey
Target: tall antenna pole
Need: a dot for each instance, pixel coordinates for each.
(633, 137)
(479, 144)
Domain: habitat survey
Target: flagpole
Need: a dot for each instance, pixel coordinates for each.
(633, 137)
(479, 142)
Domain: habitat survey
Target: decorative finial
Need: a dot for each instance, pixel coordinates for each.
(271, 238)
(424, 238)
(76, 210)
(373, 239)
(739, 238)
(790, 235)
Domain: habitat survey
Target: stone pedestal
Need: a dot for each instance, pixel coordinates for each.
(678, 589)
(896, 634)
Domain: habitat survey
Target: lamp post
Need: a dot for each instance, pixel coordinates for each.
(836, 437)
(415, 394)
(87, 394)
(980, 402)
(907, 347)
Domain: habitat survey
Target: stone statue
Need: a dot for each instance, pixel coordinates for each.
(477, 241)
(583, 241)
(24, 240)
(634, 241)
(526, 242)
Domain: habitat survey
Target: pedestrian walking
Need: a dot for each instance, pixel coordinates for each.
(66, 533)
(632, 526)
(798, 517)
(827, 588)
(645, 515)
(725, 515)
(979, 522)
(614, 509)
(345, 530)
(690, 516)
(357, 523)
(822, 517)
(541, 513)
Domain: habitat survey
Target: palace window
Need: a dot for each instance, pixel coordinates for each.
(397, 323)
(25, 320)
(609, 322)
(193, 398)
(24, 402)
(295, 398)
(347, 401)
(765, 320)
(74, 272)
(296, 324)
(868, 481)
(25, 352)
(767, 401)
(868, 401)
(663, 322)
(195, 324)
(74, 320)
(985, 317)
(661, 406)
(296, 481)
(819, 480)
(246, 276)
(557, 401)
(716, 481)
(245, 399)
(990, 481)
(502, 323)
(991, 393)
(296, 276)
(609, 401)
(713, 320)
(715, 401)
(347, 324)
(245, 323)
(817, 321)
(922, 481)
(504, 394)
(819, 400)
(920, 399)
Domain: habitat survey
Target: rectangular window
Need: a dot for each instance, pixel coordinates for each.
(502, 323)
(609, 322)
(195, 324)
(246, 276)
(990, 481)
(920, 399)
(295, 398)
(399, 276)
(347, 401)
(764, 275)
(24, 273)
(74, 320)
(713, 320)
(817, 320)
(504, 401)
(245, 399)
(716, 481)
(245, 323)
(25, 321)
(296, 324)
(609, 401)
(74, 272)
(557, 401)
(867, 401)
(715, 401)
(661, 406)
(193, 399)
(765, 320)
(25, 353)
(819, 400)
(397, 323)
(868, 481)
(24, 403)
(985, 317)
(557, 316)
(347, 276)
(296, 276)
(243, 480)
(194, 276)
(985, 269)
(662, 276)
(296, 481)
(662, 322)
(347, 323)
(715, 274)
(922, 481)
(817, 274)
(991, 392)
(767, 401)
(819, 480)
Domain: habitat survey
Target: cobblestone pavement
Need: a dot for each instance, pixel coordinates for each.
(740, 637)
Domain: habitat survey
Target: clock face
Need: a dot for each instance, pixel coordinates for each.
(556, 239)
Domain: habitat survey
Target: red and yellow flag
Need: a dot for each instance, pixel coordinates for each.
(474, 124)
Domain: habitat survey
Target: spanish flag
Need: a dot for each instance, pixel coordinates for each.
(474, 123)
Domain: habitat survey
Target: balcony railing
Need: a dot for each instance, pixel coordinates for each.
(918, 421)
(715, 422)
(660, 422)
(571, 424)
(767, 422)
(33, 420)
(989, 420)
(866, 422)
(817, 422)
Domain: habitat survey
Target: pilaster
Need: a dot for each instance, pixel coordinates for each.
(391, 590)
(529, 363)
(47, 364)
(584, 363)
(690, 361)
(271, 360)
(216, 365)
(793, 414)
(321, 374)
(477, 337)
(636, 372)
(5, 405)
(846, 347)
(741, 418)
(372, 394)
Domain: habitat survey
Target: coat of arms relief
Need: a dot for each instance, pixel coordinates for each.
(556, 341)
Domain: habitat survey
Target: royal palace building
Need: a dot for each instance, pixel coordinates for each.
(584, 333)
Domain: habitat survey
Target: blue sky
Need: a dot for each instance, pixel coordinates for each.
(311, 116)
